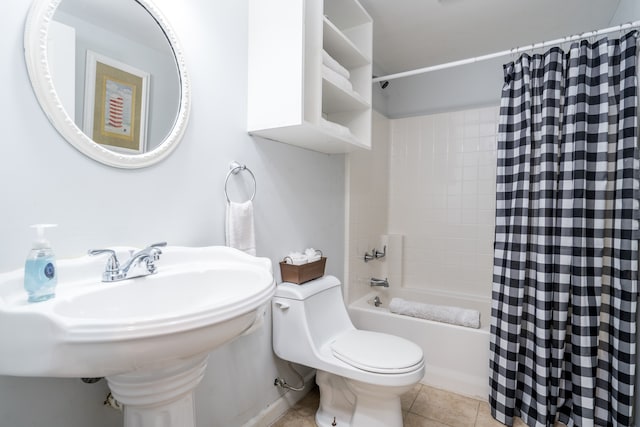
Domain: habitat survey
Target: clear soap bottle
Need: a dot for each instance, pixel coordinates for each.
(40, 276)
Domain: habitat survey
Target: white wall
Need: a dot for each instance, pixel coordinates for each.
(299, 203)
(368, 207)
(442, 199)
(431, 179)
(469, 86)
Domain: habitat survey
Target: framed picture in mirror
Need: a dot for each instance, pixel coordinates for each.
(115, 104)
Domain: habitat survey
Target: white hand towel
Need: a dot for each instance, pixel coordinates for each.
(239, 228)
(439, 313)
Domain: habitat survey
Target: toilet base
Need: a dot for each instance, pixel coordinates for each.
(349, 403)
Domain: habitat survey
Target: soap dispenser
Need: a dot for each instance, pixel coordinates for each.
(40, 276)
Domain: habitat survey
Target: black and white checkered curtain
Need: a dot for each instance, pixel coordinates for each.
(565, 277)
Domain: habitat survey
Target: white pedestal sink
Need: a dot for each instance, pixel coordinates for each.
(149, 336)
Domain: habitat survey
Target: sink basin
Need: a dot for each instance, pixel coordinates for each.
(200, 299)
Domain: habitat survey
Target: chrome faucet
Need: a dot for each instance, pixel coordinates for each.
(145, 259)
(379, 282)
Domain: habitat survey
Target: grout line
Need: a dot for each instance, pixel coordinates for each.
(475, 421)
(415, 398)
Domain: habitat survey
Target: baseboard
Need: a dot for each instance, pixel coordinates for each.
(445, 379)
(274, 411)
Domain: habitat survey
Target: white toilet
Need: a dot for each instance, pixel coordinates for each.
(361, 374)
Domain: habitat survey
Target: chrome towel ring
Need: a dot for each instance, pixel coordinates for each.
(234, 169)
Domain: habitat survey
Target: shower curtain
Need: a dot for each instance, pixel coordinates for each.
(563, 321)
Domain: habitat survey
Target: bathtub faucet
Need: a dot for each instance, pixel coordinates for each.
(379, 282)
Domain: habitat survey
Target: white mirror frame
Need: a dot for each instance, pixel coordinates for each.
(35, 46)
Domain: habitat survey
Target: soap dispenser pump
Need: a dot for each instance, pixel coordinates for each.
(40, 276)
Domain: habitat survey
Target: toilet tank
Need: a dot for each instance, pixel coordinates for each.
(307, 316)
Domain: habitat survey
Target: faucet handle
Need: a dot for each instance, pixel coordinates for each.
(112, 262)
(154, 250)
(370, 256)
(112, 269)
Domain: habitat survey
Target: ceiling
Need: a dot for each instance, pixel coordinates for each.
(410, 34)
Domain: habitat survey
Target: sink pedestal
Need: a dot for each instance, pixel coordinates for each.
(160, 396)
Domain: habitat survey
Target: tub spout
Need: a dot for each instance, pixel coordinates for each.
(379, 282)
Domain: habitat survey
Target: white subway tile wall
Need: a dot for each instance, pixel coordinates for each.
(432, 180)
(442, 198)
(368, 206)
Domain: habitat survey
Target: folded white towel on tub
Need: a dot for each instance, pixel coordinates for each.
(439, 313)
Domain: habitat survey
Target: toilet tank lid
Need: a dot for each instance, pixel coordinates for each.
(305, 290)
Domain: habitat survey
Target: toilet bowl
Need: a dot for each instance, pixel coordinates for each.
(361, 374)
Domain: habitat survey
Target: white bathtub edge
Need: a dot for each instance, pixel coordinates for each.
(446, 379)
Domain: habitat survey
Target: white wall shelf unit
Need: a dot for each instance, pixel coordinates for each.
(292, 98)
(341, 48)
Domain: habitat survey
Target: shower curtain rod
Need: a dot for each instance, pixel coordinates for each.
(513, 51)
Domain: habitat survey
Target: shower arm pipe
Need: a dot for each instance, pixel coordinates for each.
(622, 27)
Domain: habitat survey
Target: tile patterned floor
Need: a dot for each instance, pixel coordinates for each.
(423, 406)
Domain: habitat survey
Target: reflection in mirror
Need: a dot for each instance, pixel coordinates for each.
(117, 72)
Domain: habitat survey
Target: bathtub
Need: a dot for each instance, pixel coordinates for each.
(457, 357)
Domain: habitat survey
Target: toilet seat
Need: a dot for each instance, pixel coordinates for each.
(377, 352)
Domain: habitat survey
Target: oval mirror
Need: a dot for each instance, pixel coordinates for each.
(110, 76)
